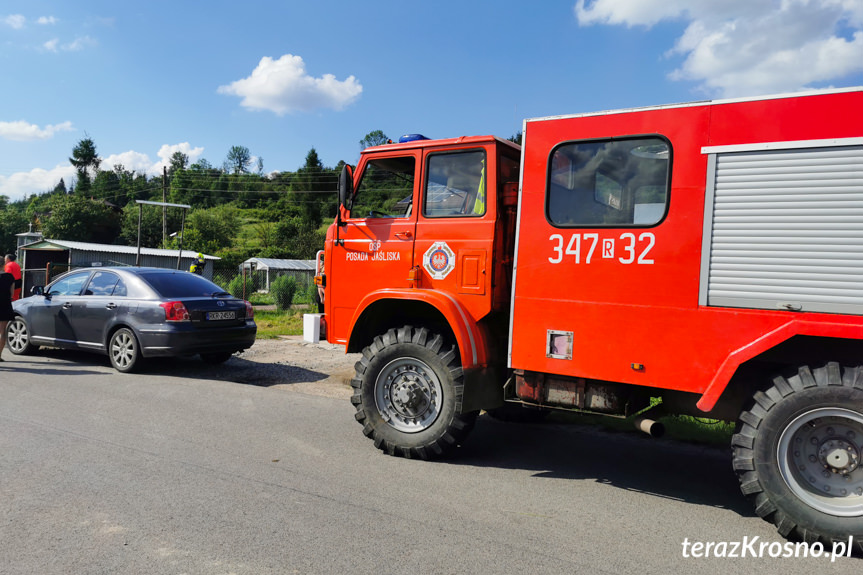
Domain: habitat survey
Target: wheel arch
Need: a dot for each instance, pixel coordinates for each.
(756, 373)
(438, 311)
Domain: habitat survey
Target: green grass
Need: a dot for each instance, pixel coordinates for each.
(262, 299)
(272, 324)
(678, 427)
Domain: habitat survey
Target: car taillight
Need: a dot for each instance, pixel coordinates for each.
(175, 311)
(250, 311)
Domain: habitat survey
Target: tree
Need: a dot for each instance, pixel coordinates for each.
(516, 138)
(239, 160)
(374, 138)
(151, 224)
(179, 161)
(86, 160)
(76, 218)
(60, 188)
(13, 221)
(211, 230)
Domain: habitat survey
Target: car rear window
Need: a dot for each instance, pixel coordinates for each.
(180, 284)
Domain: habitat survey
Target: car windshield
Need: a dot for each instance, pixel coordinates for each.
(180, 284)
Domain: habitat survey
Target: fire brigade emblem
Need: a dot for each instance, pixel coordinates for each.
(439, 260)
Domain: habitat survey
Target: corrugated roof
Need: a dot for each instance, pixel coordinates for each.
(275, 264)
(108, 248)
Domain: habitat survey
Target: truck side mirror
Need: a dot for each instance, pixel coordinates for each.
(346, 186)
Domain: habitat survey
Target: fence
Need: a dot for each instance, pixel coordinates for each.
(257, 280)
(245, 283)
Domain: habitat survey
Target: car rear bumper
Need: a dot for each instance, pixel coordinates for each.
(185, 339)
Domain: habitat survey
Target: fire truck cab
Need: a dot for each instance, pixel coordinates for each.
(702, 258)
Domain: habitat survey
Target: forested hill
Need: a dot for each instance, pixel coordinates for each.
(238, 210)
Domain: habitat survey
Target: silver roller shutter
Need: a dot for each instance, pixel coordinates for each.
(786, 229)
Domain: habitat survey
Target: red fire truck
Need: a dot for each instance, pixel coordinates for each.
(702, 259)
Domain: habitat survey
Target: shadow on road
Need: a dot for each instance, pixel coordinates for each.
(236, 369)
(669, 469)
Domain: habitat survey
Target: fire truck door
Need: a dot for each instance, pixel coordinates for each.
(455, 227)
(378, 235)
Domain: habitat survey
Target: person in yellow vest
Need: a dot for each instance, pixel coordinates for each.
(197, 266)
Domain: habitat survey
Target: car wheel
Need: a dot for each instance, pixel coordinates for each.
(798, 454)
(216, 358)
(407, 392)
(124, 351)
(18, 337)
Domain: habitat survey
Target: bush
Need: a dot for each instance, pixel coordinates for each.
(283, 289)
(235, 287)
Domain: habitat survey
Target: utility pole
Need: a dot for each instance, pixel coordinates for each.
(164, 208)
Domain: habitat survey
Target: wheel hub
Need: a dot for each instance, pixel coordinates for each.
(839, 456)
(408, 395)
(819, 458)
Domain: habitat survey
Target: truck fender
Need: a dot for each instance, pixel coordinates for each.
(471, 343)
(769, 340)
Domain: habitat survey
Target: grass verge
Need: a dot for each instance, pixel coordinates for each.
(272, 324)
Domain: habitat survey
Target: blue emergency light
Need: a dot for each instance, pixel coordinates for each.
(411, 138)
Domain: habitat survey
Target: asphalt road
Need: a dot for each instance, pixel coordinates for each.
(173, 472)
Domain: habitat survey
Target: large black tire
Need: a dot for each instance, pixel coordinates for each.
(18, 337)
(408, 394)
(798, 454)
(124, 351)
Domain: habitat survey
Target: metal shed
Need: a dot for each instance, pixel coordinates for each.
(43, 259)
(265, 270)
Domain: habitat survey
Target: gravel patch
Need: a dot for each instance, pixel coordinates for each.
(287, 362)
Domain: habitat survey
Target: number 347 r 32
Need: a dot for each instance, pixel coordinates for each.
(586, 247)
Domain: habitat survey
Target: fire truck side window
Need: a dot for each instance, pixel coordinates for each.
(621, 182)
(456, 185)
(386, 189)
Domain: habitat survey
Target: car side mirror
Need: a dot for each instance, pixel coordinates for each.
(346, 186)
(37, 290)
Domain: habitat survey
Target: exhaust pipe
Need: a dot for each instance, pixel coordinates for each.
(649, 426)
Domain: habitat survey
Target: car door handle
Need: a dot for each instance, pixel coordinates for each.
(404, 235)
(67, 305)
(111, 306)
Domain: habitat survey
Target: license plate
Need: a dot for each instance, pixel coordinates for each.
(216, 315)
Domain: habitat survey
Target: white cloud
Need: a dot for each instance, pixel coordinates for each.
(79, 44)
(46, 20)
(22, 184)
(21, 131)
(748, 47)
(142, 164)
(15, 21)
(131, 161)
(283, 86)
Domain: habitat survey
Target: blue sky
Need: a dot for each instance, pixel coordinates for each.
(144, 79)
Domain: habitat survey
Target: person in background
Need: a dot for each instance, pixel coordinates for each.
(197, 266)
(7, 287)
(13, 268)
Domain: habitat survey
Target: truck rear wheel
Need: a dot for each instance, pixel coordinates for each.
(408, 394)
(798, 454)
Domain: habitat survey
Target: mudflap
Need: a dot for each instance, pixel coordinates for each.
(483, 389)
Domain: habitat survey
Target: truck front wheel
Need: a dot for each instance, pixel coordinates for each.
(798, 454)
(408, 394)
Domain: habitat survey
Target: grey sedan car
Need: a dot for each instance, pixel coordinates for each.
(133, 313)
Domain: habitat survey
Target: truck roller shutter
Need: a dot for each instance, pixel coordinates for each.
(784, 227)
